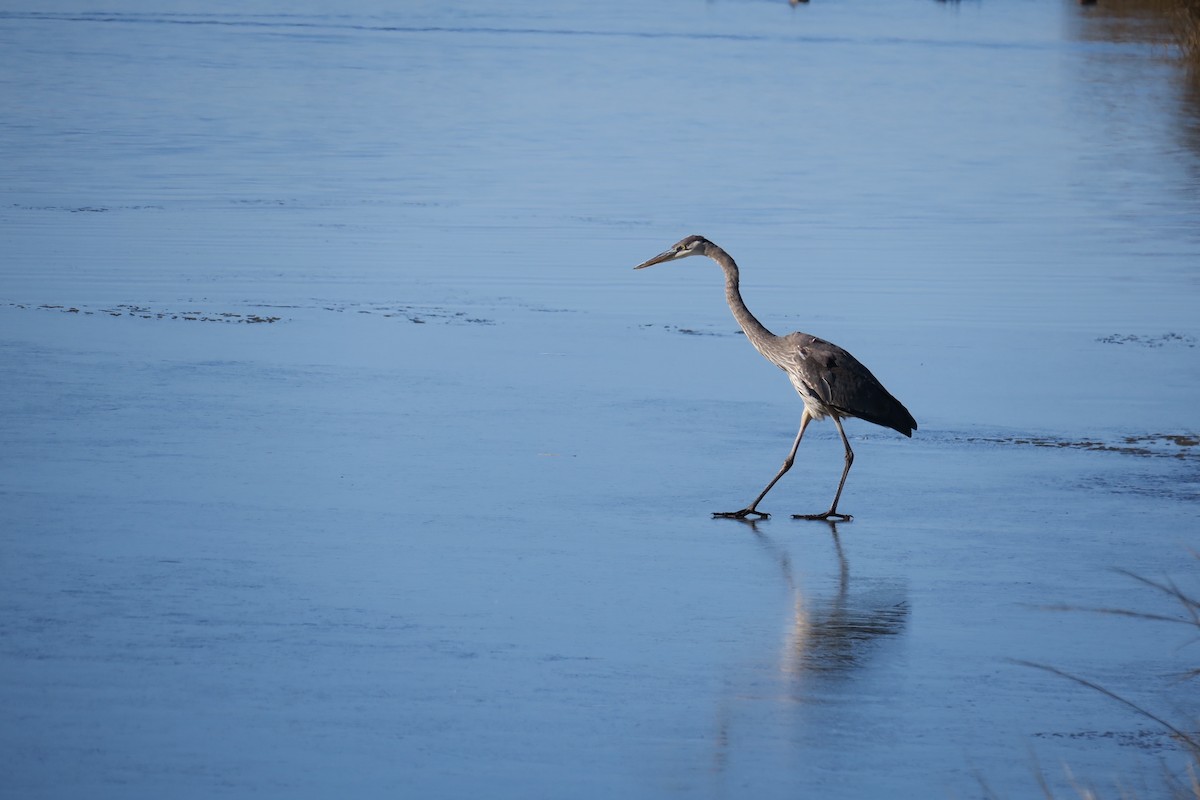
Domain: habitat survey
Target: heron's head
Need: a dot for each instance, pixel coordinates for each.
(691, 246)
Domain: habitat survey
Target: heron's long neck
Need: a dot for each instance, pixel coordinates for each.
(755, 331)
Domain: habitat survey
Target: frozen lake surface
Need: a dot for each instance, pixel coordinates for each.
(343, 454)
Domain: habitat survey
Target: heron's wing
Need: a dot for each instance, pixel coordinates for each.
(841, 382)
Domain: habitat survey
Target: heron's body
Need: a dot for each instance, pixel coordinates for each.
(830, 381)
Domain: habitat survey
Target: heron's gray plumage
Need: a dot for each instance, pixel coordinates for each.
(830, 381)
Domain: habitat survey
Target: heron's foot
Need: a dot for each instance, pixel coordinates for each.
(745, 512)
(828, 516)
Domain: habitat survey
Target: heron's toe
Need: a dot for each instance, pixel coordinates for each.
(745, 512)
(828, 516)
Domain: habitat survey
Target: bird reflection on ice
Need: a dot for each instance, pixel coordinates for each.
(833, 635)
(825, 683)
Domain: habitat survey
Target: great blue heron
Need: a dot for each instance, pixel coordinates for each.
(831, 382)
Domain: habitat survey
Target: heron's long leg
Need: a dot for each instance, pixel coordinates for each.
(832, 512)
(787, 464)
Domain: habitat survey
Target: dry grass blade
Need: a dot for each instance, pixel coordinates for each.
(1190, 604)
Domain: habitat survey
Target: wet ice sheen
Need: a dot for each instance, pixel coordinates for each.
(440, 527)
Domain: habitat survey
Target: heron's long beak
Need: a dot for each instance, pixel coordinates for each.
(658, 259)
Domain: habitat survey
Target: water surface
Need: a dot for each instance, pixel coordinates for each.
(344, 452)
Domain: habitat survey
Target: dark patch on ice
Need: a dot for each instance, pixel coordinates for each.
(142, 312)
(1148, 740)
(1177, 456)
(417, 315)
(1149, 445)
(262, 201)
(615, 222)
(1159, 340)
(83, 209)
(691, 331)
(188, 316)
